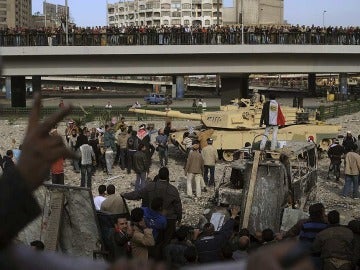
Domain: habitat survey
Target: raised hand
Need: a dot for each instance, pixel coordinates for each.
(39, 149)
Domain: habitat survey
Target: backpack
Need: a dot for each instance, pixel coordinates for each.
(132, 143)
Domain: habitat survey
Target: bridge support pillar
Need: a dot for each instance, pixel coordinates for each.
(36, 83)
(312, 84)
(234, 87)
(8, 87)
(180, 87)
(18, 91)
(343, 85)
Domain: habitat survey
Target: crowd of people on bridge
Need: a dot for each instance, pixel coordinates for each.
(180, 35)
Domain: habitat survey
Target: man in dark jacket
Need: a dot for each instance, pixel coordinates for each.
(120, 238)
(335, 153)
(7, 162)
(141, 166)
(209, 243)
(349, 142)
(174, 252)
(172, 206)
(335, 244)
(131, 148)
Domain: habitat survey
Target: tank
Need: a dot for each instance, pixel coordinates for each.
(234, 125)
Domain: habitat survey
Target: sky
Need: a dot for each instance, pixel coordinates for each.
(307, 12)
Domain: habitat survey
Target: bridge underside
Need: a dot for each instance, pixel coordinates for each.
(232, 62)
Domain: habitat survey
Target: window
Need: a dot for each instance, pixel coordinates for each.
(165, 13)
(186, 6)
(175, 21)
(175, 5)
(148, 5)
(207, 13)
(186, 22)
(207, 6)
(166, 22)
(165, 6)
(207, 22)
(176, 14)
(186, 13)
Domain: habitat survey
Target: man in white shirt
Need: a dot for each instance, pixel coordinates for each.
(100, 198)
(108, 105)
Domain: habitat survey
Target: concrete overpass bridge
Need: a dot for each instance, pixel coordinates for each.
(233, 63)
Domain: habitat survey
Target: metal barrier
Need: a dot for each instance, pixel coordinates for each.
(178, 38)
(338, 109)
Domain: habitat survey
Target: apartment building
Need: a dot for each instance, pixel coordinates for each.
(52, 16)
(164, 12)
(15, 13)
(194, 12)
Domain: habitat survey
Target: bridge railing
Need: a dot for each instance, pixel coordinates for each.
(178, 38)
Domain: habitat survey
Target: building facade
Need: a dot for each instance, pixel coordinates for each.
(194, 12)
(164, 12)
(15, 13)
(52, 15)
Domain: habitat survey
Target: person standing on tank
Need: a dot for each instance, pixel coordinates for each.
(272, 117)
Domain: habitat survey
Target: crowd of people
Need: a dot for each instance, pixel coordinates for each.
(154, 230)
(181, 35)
(348, 151)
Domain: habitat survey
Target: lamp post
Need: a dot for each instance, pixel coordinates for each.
(217, 13)
(44, 7)
(242, 21)
(324, 11)
(66, 23)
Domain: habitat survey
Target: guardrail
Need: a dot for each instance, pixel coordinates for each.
(178, 38)
(338, 109)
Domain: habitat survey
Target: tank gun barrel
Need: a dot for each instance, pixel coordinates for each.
(175, 114)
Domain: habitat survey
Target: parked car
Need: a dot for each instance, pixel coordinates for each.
(154, 98)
